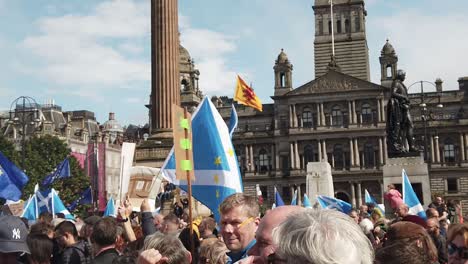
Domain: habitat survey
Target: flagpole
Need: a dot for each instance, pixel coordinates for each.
(122, 161)
(189, 187)
(332, 31)
(53, 208)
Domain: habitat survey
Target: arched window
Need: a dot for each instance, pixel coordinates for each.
(308, 154)
(369, 156)
(282, 80)
(320, 25)
(307, 119)
(337, 116)
(366, 113)
(338, 157)
(338, 26)
(329, 27)
(264, 161)
(357, 24)
(347, 26)
(449, 151)
(389, 72)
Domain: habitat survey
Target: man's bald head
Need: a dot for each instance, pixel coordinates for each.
(272, 219)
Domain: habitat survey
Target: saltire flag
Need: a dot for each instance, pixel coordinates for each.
(31, 211)
(259, 194)
(410, 198)
(49, 201)
(246, 96)
(215, 164)
(327, 202)
(62, 171)
(233, 120)
(12, 179)
(369, 199)
(110, 208)
(85, 198)
(278, 199)
(306, 202)
(294, 199)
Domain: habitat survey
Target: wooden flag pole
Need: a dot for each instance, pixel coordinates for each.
(189, 187)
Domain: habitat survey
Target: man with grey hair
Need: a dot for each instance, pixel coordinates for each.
(322, 237)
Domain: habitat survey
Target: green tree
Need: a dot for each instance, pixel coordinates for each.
(43, 154)
(8, 149)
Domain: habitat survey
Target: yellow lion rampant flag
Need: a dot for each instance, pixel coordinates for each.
(246, 96)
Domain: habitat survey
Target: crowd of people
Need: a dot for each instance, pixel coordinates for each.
(286, 234)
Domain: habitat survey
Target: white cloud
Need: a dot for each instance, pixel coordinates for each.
(209, 49)
(427, 46)
(82, 49)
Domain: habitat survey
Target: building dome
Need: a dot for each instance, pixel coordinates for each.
(388, 49)
(282, 57)
(184, 54)
(112, 125)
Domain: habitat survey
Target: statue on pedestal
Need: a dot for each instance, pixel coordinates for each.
(399, 124)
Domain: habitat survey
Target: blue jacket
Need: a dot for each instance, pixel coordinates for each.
(236, 256)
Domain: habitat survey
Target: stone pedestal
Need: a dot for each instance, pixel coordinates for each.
(319, 180)
(417, 171)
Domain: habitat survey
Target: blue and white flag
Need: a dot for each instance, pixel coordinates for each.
(216, 170)
(233, 120)
(294, 199)
(110, 208)
(49, 201)
(410, 198)
(85, 198)
(327, 202)
(370, 200)
(31, 211)
(278, 199)
(306, 202)
(62, 171)
(12, 179)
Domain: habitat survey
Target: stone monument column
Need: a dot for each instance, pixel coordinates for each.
(165, 87)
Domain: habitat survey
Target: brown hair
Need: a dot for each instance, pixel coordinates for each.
(168, 246)
(213, 251)
(391, 186)
(248, 203)
(458, 229)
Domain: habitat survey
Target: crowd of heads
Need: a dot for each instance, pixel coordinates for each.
(286, 234)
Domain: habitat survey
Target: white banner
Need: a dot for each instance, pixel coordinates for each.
(126, 163)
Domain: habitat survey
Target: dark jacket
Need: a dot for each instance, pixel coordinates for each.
(79, 253)
(147, 224)
(106, 256)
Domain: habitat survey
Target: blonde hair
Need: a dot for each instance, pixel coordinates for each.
(458, 229)
(214, 251)
(169, 246)
(249, 204)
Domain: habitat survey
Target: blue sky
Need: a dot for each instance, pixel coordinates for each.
(95, 55)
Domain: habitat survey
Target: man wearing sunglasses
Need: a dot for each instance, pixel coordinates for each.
(239, 221)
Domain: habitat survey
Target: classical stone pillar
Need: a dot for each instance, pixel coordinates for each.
(465, 147)
(294, 116)
(291, 149)
(319, 115)
(432, 150)
(356, 152)
(324, 146)
(252, 162)
(319, 148)
(296, 152)
(359, 194)
(462, 148)
(299, 196)
(437, 152)
(385, 153)
(247, 158)
(353, 194)
(323, 114)
(379, 113)
(291, 124)
(350, 111)
(382, 105)
(380, 151)
(165, 76)
(351, 152)
(277, 161)
(354, 113)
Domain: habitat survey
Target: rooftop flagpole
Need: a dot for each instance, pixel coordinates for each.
(332, 28)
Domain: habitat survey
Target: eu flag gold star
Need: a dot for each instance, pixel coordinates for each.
(231, 152)
(1, 171)
(217, 193)
(216, 178)
(217, 161)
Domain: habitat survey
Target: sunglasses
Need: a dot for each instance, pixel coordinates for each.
(461, 251)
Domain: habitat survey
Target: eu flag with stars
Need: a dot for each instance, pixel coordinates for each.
(85, 198)
(215, 162)
(12, 179)
(62, 171)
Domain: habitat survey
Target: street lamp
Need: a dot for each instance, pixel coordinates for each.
(424, 112)
(24, 113)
